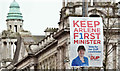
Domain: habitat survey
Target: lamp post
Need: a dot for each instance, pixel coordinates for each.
(85, 8)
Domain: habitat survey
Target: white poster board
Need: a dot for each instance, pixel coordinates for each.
(86, 41)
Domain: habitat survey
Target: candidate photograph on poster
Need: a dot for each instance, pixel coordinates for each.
(86, 41)
(80, 60)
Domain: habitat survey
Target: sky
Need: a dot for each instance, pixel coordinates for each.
(37, 14)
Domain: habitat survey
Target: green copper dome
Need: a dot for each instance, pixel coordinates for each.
(14, 11)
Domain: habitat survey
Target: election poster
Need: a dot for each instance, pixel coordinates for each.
(86, 41)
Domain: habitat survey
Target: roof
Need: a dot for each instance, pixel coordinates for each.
(28, 40)
(33, 39)
(14, 4)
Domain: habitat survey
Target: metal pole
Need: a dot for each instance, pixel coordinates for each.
(85, 8)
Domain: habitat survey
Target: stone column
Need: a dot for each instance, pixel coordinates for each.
(8, 49)
(55, 61)
(48, 62)
(60, 58)
(45, 64)
(119, 39)
(67, 61)
(15, 46)
(51, 62)
(42, 65)
(118, 53)
(114, 57)
(12, 51)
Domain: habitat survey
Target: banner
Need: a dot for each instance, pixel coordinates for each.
(86, 41)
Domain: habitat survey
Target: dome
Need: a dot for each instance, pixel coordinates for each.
(14, 11)
(14, 4)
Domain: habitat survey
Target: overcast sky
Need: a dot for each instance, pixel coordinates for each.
(37, 14)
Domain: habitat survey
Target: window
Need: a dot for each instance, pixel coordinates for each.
(15, 28)
(5, 43)
(10, 26)
(15, 43)
(20, 26)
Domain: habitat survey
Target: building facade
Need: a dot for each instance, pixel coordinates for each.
(52, 50)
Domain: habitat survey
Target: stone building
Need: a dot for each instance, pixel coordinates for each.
(52, 50)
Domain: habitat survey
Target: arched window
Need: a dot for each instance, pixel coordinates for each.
(11, 43)
(15, 43)
(20, 26)
(15, 28)
(10, 27)
(5, 43)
